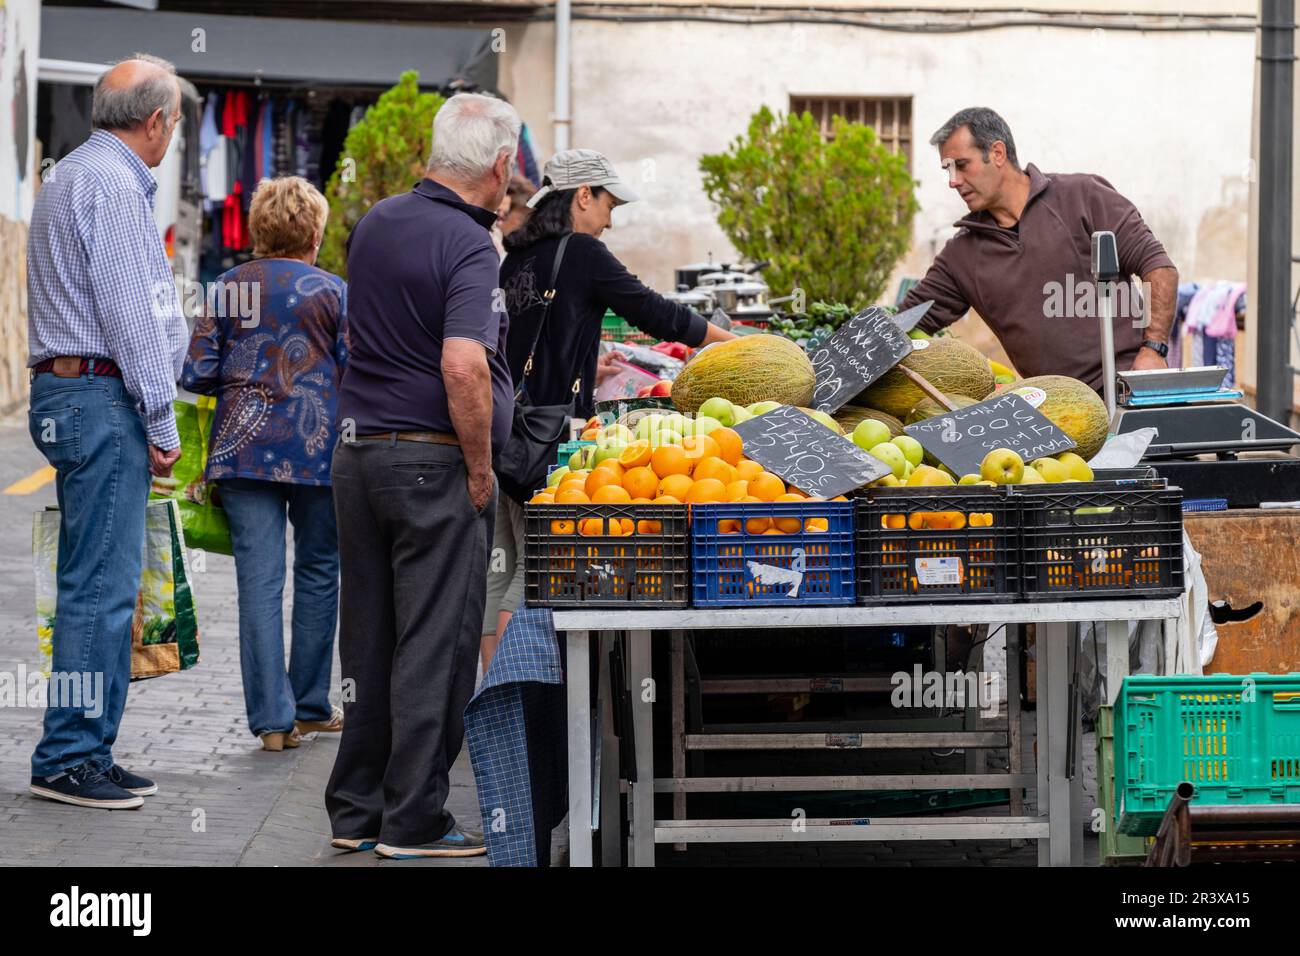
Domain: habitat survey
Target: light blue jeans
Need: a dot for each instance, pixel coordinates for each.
(256, 512)
(90, 432)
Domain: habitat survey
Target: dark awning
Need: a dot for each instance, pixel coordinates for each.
(328, 52)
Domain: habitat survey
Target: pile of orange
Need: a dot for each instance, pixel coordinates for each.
(937, 521)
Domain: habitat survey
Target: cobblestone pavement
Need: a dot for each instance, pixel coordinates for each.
(222, 800)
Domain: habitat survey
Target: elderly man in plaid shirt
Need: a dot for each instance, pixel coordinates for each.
(107, 340)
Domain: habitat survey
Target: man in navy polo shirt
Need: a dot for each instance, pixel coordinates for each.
(426, 397)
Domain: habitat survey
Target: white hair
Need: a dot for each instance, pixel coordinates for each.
(470, 132)
(129, 106)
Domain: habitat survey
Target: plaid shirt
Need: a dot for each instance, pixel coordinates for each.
(515, 727)
(98, 282)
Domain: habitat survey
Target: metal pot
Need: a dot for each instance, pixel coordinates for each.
(732, 290)
(701, 300)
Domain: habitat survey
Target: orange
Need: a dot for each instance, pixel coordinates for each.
(670, 460)
(541, 498)
(893, 521)
(640, 482)
(789, 496)
(816, 524)
(729, 444)
(611, 495)
(667, 500)
(787, 524)
(627, 525)
(561, 527)
(642, 501)
(800, 495)
(749, 499)
(747, 470)
(581, 474)
(649, 527)
(766, 486)
(728, 526)
(592, 527)
(591, 434)
(737, 490)
(714, 468)
(571, 496)
(758, 525)
(700, 447)
(773, 531)
(611, 464)
(599, 479)
(676, 486)
(705, 491)
(635, 455)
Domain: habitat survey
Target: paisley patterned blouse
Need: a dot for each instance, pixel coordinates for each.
(271, 346)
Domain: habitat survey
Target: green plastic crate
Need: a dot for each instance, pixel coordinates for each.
(1115, 849)
(567, 449)
(1235, 738)
(614, 328)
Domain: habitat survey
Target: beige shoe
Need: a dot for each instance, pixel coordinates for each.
(332, 726)
(277, 740)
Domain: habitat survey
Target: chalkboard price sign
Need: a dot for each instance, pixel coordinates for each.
(960, 439)
(861, 350)
(807, 454)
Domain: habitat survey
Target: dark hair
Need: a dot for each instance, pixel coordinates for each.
(553, 216)
(986, 128)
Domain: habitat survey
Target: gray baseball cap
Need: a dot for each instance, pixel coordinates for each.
(581, 167)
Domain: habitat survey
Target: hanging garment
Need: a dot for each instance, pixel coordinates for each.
(1223, 323)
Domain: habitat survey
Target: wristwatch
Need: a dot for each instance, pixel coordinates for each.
(1160, 348)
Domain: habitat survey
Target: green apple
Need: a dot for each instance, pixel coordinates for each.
(647, 426)
(871, 433)
(705, 424)
(676, 422)
(557, 475)
(971, 479)
(888, 481)
(911, 448)
(740, 414)
(762, 408)
(991, 484)
(1002, 466)
(617, 434)
(720, 409)
(917, 334)
(825, 419)
(1075, 466)
(606, 452)
(1032, 476)
(665, 437)
(1051, 469)
(907, 472)
(892, 456)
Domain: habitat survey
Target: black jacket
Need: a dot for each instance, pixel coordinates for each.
(591, 280)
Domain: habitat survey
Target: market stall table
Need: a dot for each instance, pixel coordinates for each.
(1059, 799)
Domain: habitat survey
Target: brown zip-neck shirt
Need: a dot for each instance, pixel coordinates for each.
(1031, 283)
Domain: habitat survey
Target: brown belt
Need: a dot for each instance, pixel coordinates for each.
(428, 438)
(72, 366)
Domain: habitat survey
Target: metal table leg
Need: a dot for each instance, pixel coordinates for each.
(578, 678)
(1015, 742)
(643, 791)
(1053, 640)
(679, 724)
(1078, 811)
(611, 817)
(1117, 657)
(1042, 658)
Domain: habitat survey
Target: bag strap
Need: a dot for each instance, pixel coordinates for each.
(549, 297)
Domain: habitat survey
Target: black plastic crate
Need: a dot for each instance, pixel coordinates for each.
(580, 556)
(1101, 539)
(912, 547)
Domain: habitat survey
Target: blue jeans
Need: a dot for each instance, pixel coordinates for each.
(90, 432)
(256, 512)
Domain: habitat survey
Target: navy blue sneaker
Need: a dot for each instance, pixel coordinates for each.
(132, 782)
(85, 786)
(454, 843)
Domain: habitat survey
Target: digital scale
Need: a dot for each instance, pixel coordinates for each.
(1206, 441)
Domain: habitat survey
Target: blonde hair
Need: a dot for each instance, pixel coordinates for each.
(286, 216)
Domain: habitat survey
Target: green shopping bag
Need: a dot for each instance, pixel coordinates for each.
(202, 517)
(164, 630)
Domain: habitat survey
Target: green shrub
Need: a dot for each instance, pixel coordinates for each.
(833, 217)
(388, 150)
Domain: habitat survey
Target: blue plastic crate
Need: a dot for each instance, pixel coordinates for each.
(1235, 738)
(797, 569)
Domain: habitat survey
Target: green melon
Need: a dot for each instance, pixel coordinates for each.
(1072, 407)
(754, 368)
(851, 415)
(949, 364)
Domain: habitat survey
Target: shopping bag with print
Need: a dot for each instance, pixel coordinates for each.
(202, 517)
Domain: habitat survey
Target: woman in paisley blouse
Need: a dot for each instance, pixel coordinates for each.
(271, 347)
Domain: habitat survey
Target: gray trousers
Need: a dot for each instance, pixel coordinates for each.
(413, 560)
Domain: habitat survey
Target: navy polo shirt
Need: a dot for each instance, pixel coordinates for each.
(421, 269)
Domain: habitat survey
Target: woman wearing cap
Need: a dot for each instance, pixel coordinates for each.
(580, 189)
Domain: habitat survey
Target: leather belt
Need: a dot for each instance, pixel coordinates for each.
(72, 366)
(428, 438)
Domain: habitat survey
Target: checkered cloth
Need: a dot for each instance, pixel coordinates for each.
(98, 281)
(515, 728)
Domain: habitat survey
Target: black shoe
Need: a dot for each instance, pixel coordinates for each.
(454, 843)
(84, 786)
(132, 782)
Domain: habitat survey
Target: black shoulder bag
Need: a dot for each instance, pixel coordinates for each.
(537, 430)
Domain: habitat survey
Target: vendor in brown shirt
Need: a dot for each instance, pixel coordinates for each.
(1022, 259)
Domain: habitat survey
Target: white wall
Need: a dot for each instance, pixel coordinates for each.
(20, 22)
(1164, 116)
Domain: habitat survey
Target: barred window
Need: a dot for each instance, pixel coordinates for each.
(889, 116)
